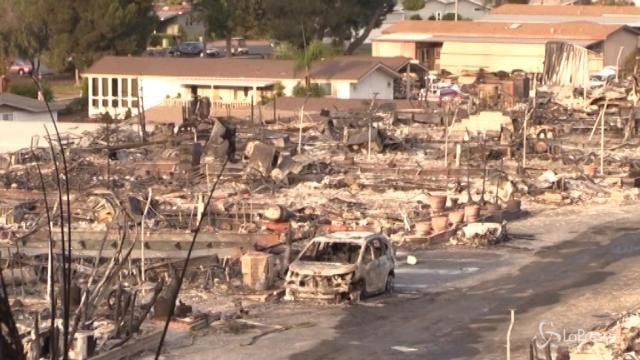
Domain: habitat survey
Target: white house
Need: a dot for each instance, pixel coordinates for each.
(118, 84)
(468, 9)
(356, 77)
(20, 108)
(436, 9)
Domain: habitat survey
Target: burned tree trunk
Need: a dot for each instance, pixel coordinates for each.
(10, 342)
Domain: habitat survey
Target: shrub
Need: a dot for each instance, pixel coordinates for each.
(314, 90)
(299, 90)
(85, 88)
(413, 5)
(29, 89)
(415, 17)
(278, 89)
(449, 17)
(75, 106)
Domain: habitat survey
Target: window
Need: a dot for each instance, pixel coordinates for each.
(105, 87)
(125, 88)
(134, 88)
(6, 116)
(95, 86)
(326, 88)
(95, 103)
(114, 87)
(368, 255)
(332, 251)
(379, 248)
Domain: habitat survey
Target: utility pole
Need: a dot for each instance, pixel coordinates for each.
(455, 16)
(370, 116)
(602, 145)
(513, 318)
(300, 132)
(524, 139)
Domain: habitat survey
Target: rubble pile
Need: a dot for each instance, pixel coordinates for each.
(620, 340)
(454, 171)
(480, 234)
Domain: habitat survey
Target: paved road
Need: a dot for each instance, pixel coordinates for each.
(469, 323)
(454, 304)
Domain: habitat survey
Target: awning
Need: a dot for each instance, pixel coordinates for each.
(227, 82)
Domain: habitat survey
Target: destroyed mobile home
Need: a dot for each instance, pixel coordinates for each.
(95, 227)
(340, 265)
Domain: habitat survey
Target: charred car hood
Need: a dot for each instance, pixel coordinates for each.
(321, 268)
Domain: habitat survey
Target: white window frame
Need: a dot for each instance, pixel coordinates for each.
(109, 97)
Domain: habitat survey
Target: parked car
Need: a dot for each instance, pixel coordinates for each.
(189, 48)
(342, 265)
(602, 77)
(240, 51)
(214, 52)
(21, 68)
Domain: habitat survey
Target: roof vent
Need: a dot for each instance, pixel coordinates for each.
(514, 26)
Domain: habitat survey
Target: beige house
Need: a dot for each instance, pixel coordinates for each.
(179, 21)
(118, 84)
(496, 46)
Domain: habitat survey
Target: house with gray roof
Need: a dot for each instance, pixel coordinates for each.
(20, 108)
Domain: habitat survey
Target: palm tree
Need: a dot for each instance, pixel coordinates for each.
(316, 50)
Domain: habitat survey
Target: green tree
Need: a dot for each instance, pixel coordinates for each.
(413, 5)
(74, 32)
(109, 27)
(225, 19)
(5, 43)
(347, 22)
(215, 15)
(28, 27)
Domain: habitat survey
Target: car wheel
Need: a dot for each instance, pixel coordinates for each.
(358, 292)
(389, 285)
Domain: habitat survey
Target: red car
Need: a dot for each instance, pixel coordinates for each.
(21, 68)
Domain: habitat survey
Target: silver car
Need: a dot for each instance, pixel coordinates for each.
(342, 265)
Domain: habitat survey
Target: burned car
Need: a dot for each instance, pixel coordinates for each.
(343, 265)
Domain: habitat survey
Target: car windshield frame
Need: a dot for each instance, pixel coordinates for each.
(332, 253)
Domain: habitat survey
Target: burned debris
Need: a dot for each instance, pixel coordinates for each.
(249, 202)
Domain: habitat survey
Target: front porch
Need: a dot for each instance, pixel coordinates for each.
(230, 93)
